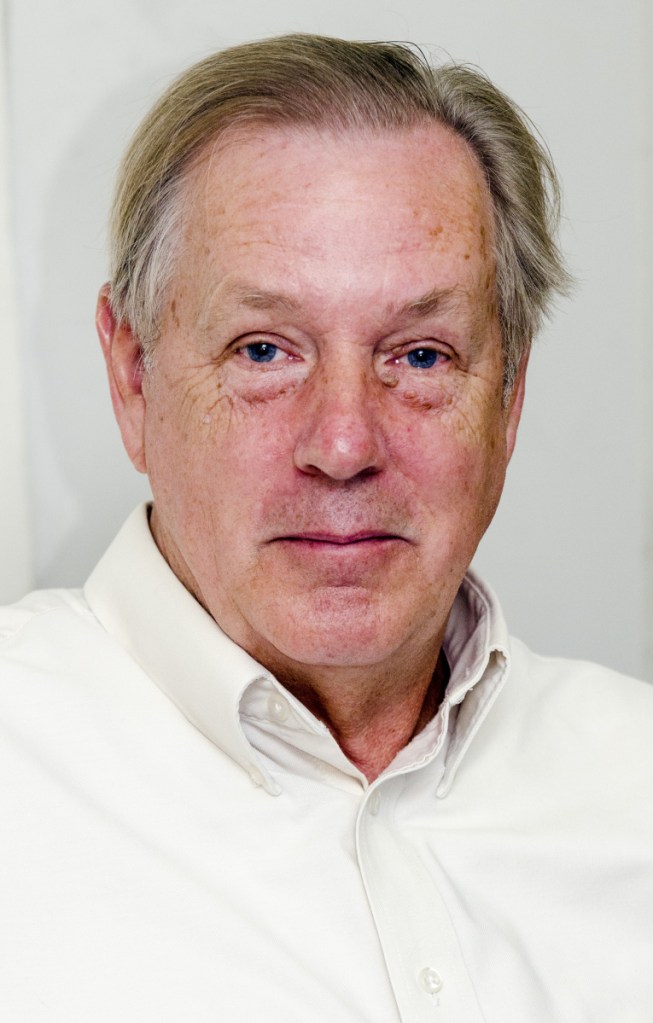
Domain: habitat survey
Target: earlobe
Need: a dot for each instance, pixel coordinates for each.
(123, 359)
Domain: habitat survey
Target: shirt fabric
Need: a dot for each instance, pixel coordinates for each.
(183, 840)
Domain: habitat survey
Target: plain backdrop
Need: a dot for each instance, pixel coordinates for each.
(571, 550)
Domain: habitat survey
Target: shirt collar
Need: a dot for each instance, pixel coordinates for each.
(216, 684)
(141, 603)
(477, 646)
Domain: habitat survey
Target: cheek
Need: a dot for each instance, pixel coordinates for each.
(220, 457)
(455, 464)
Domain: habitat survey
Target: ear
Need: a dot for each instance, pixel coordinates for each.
(515, 404)
(123, 358)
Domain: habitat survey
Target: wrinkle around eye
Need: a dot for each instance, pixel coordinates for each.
(430, 385)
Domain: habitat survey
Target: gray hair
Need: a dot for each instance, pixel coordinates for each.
(316, 81)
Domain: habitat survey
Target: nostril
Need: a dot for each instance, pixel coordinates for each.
(371, 470)
(341, 447)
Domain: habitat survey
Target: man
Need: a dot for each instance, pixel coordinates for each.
(280, 760)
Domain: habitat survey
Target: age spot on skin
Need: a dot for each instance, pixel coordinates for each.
(420, 401)
(482, 245)
(261, 399)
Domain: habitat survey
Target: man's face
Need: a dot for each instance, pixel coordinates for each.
(323, 427)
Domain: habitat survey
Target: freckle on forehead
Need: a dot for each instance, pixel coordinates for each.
(447, 210)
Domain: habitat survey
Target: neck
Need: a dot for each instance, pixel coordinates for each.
(371, 715)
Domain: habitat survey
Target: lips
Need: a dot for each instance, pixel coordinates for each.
(323, 558)
(340, 539)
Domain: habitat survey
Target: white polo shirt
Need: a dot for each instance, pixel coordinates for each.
(183, 841)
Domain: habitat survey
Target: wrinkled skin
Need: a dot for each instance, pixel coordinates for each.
(323, 426)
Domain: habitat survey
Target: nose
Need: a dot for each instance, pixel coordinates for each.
(339, 433)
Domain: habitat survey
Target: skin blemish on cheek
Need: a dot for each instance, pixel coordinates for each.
(425, 402)
(262, 399)
(390, 379)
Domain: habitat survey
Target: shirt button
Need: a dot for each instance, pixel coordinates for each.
(278, 708)
(430, 980)
(374, 803)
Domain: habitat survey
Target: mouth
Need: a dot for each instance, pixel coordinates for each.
(340, 559)
(339, 539)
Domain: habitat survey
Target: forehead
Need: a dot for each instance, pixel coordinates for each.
(354, 208)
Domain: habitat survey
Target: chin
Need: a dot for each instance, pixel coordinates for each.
(342, 630)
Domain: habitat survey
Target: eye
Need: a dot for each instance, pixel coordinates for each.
(260, 351)
(424, 358)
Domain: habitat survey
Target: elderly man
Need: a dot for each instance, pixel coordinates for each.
(280, 759)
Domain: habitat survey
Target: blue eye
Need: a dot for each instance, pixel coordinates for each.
(422, 358)
(261, 351)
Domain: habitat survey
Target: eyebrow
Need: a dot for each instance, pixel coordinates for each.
(436, 300)
(260, 299)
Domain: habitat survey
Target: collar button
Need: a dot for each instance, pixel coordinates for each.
(278, 709)
(374, 803)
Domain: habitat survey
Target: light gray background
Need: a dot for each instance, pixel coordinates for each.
(570, 550)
